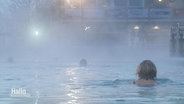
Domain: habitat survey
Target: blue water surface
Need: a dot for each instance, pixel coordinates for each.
(95, 84)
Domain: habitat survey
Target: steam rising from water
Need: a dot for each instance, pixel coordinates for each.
(63, 42)
(57, 40)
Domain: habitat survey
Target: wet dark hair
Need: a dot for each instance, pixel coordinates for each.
(147, 70)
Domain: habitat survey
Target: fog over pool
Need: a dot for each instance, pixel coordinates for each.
(32, 32)
(41, 47)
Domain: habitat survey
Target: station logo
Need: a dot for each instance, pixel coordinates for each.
(19, 92)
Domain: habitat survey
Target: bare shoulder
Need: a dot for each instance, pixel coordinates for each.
(144, 82)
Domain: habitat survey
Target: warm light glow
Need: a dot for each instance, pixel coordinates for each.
(68, 1)
(159, 0)
(136, 27)
(73, 3)
(156, 27)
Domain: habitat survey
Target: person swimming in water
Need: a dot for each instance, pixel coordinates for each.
(83, 63)
(147, 73)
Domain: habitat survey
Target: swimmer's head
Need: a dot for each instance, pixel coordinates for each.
(147, 70)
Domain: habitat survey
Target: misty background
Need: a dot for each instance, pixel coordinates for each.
(38, 31)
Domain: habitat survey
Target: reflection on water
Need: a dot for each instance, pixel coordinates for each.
(90, 85)
(37, 97)
(73, 93)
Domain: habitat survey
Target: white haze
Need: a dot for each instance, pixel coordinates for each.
(69, 41)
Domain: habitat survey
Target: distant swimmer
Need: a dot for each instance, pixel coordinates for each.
(147, 73)
(83, 63)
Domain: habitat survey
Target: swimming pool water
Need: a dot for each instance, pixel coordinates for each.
(95, 84)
